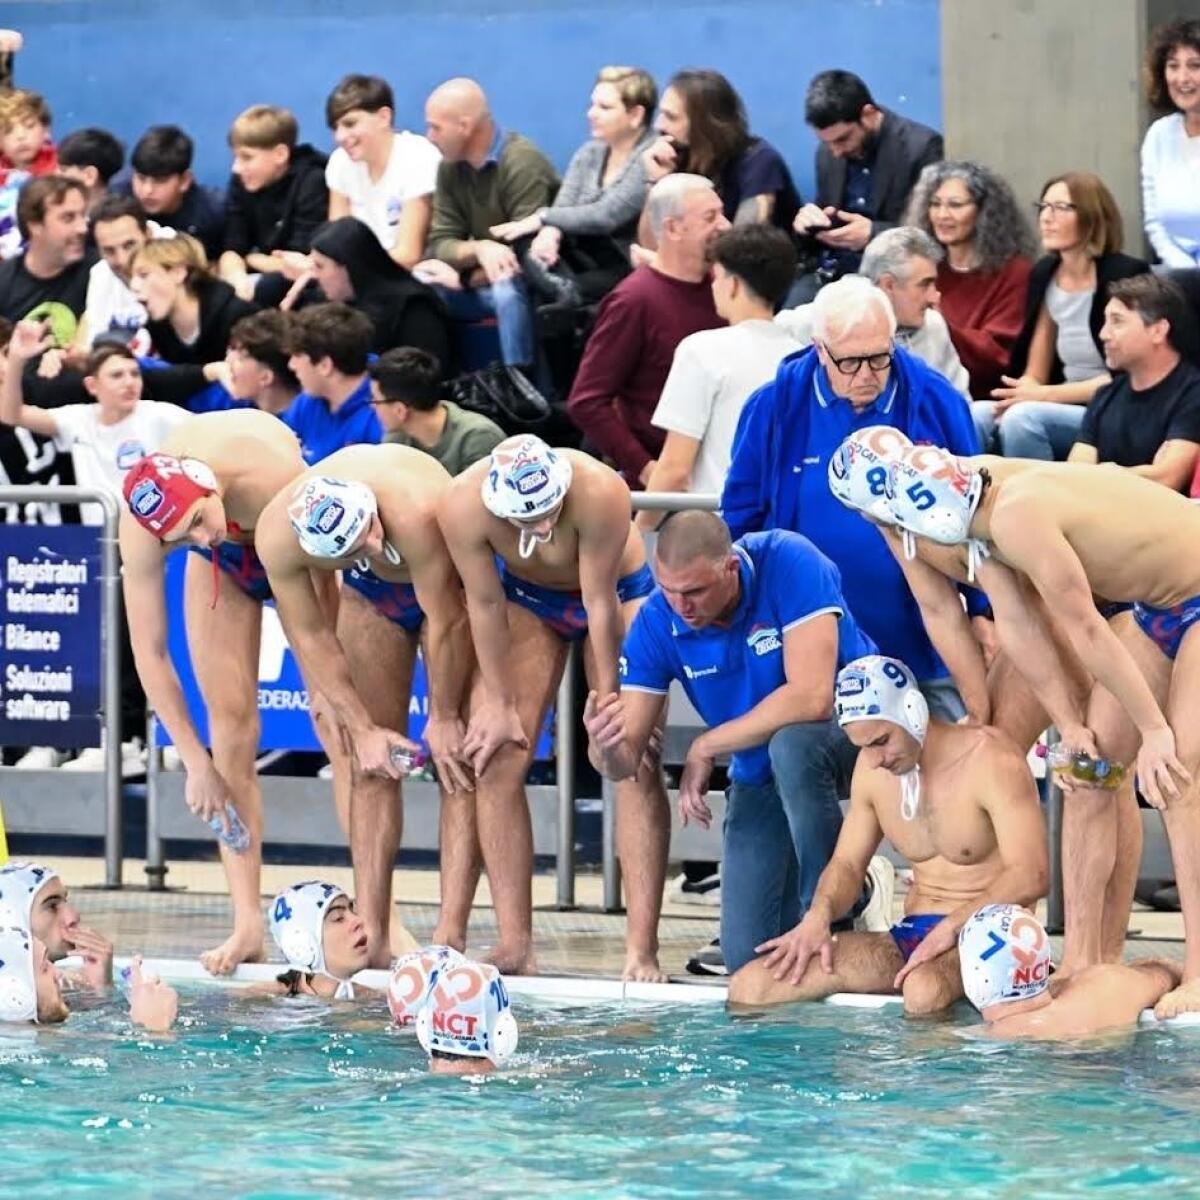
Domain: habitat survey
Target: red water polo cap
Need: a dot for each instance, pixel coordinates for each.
(160, 489)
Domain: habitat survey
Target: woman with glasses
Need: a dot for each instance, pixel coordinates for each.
(1057, 363)
(983, 279)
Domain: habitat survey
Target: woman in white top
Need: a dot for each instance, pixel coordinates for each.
(382, 176)
(105, 438)
(1171, 149)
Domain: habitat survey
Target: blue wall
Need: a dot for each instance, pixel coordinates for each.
(126, 64)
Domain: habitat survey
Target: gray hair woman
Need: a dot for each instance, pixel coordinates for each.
(984, 277)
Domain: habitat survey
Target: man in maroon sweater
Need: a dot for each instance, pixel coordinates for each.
(640, 323)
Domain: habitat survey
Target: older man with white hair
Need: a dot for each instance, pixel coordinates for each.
(902, 263)
(640, 323)
(853, 375)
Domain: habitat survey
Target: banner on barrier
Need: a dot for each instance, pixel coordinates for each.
(50, 645)
(282, 696)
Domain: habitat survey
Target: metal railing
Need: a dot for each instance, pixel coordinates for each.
(110, 676)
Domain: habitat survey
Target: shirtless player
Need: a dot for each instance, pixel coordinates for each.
(547, 551)
(1077, 531)
(205, 488)
(371, 512)
(958, 801)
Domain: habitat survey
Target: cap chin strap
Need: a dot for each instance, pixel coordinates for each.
(345, 989)
(390, 553)
(977, 552)
(910, 792)
(909, 542)
(528, 541)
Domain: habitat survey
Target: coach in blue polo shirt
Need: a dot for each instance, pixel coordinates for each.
(756, 632)
(853, 376)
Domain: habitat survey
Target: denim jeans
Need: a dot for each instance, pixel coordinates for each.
(779, 836)
(943, 699)
(507, 301)
(1031, 429)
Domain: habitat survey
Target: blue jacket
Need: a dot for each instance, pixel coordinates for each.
(778, 480)
(322, 431)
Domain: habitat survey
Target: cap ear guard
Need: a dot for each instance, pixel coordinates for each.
(20, 883)
(858, 470)
(298, 924)
(468, 1014)
(18, 988)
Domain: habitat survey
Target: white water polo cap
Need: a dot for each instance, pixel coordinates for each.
(858, 470)
(18, 987)
(331, 515)
(412, 978)
(20, 883)
(932, 495)
(468, 1013)
(526, 480)
(877, 688)
(298, 927)
(1004, 955)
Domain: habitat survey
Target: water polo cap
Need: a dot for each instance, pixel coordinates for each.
(1004, 955)
(19, 885)
(298, 927)
(160, 489)
(413, 976)
(858, 470)
(467, 1013)
(330, 516)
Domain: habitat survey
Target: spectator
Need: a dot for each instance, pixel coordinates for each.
(351, 267)
(985, 274)
(276, 200)
(702, 129)
(190, 312)
(1057, 362)
(714, 371)
(868, 161)
(487, 177)
(383, 176)
(642, 321)
(53, 268)
(407, 395)
(93, 156)
(583, 238)
(329, 345)
(120, 229)
(853, 376)
(25, 151)
(1170, 201)
(1148, 417)
(256, 362)
(165, 188)
(903, 263)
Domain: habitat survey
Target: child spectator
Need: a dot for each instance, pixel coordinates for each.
(276, 199)
(93, 156)
(166, 190)
(25, 151)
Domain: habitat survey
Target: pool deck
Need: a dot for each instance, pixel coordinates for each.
(193, 916)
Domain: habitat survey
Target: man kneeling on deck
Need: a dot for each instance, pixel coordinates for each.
(958, 801)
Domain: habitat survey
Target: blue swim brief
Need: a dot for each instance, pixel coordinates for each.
(564, 611)
(242, 564)
(397, 601)
(1166, 626)
(909, 932)
(1113, 608)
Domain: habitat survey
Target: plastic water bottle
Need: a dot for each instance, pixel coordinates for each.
(238, 836)
(124, 981)
(407, 761)
(1083, 768)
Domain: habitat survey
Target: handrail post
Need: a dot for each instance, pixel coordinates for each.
(110, 582)
(610, 859)
(1055, 907)
(565, 751)
(156, 865)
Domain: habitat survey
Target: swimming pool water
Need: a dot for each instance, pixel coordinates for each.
(285, 1098)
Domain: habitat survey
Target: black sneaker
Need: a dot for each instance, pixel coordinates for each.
(709, 961)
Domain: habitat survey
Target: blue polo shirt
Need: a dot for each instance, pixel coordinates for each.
(322, 431)
(727, 669)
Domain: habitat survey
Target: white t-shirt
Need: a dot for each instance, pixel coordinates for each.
(110, 304)
(103, 453)
(411, 172)
(712, 376)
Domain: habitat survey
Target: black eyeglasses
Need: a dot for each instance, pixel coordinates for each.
(852, 364)
(1058, 207)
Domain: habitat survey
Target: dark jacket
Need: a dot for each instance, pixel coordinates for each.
(284, 215)
(220, 310)
(404, 311)
(1109, 268)
(903, 149)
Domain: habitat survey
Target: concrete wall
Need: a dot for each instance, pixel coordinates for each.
(1036, 87)
(126, 64)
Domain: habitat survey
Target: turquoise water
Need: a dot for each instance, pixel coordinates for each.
(286, 1098)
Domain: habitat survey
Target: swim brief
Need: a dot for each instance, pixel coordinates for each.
(397, 601)
(1167, 626)
(564, 611)
(910, 931)
(239, 561)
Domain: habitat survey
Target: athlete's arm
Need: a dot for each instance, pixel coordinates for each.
(619, 728)
(1008, 795)
(603, 529)
(948, 626)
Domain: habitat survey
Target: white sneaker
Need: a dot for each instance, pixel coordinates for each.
(706, 891)
(877, 916)
(171, 760)
(40, 758)
(326, 772)
(133, 759)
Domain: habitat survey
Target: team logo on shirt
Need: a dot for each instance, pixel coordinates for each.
(146, 498)
(128, 453)
(698, 672)
(763, 639)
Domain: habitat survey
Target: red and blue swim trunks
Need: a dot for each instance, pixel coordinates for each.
(1166, 626)
(239, 561)
(563, 611)
(396, 601)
